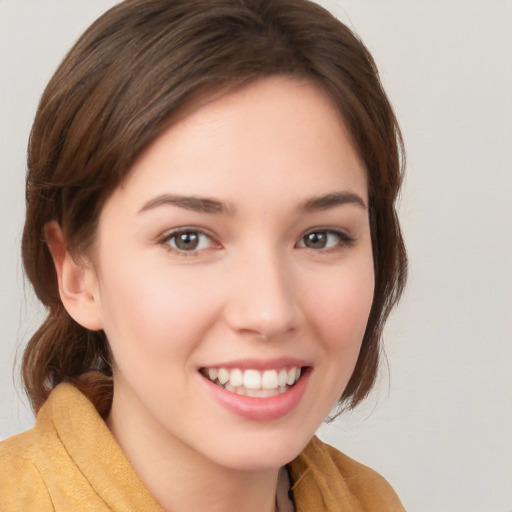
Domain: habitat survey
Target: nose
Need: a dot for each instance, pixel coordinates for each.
(261, 300)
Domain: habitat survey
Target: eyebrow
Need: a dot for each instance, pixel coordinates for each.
(331, 200)
(193, 203)
(208, 205)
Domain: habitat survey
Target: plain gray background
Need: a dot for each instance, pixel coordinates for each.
(439, 424)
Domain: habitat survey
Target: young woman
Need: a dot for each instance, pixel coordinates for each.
(211, 225)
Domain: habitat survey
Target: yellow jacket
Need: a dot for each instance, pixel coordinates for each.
(70, 462)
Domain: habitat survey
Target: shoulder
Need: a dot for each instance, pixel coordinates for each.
(357, 475)
(31, 461)
(22, 486)
(321, 472)
(69, 461)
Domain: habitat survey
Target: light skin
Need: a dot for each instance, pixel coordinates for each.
(241, 239)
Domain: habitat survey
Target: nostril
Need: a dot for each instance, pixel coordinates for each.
(262, 303)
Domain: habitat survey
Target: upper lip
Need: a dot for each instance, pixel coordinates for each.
(261, 364)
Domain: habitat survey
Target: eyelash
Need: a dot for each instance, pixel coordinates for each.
(343, 240)
(165, 240)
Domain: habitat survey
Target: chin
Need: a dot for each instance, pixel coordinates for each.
(262, 450)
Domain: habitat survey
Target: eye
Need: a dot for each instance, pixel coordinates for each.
(322, 239)
(188, 240)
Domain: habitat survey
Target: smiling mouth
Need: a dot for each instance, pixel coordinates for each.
(254, 383)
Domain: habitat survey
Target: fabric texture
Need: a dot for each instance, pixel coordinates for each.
(70, 461)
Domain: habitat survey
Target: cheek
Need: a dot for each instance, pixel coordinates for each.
(152, 314)
(341, 308)
(339, 305)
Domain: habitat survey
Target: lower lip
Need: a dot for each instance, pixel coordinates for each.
(260, 409)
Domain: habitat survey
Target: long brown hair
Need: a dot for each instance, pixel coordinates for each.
(117, 90)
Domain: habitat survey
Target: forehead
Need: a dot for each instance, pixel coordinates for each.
(275, 135)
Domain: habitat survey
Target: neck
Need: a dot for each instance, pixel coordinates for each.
(181, 479)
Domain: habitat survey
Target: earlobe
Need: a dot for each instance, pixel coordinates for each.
(77, 281)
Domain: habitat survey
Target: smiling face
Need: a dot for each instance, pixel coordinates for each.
(236, 260)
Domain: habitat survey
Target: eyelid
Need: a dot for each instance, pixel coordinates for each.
(172, 233)
(346, 240)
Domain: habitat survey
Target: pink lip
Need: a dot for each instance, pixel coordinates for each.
(261, 365)
(260, 409)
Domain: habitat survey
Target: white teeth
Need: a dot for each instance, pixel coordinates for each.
(237, 378)
(253, 382)
(252, 379)
(262, 393)
(291, 377)
(223, 376)
(269, 380)
(241, 391)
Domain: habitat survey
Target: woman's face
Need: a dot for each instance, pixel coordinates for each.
(235, 256)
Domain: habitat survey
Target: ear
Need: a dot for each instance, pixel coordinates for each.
(78, 282)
